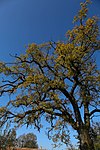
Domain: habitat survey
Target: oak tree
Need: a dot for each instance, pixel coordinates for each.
(59, 81)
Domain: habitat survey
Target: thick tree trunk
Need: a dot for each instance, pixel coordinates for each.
(86, 143)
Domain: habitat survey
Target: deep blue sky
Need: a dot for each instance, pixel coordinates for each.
(26, 21)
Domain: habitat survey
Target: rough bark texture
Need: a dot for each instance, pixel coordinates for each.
(86, 143)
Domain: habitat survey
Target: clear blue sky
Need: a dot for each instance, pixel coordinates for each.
(26, 21)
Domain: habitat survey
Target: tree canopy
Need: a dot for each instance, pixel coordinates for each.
(7, 137)
(97, 135)
(27, 140)
(57, 81)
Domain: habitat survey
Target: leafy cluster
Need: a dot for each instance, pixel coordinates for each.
(9, 139)
(27, 140)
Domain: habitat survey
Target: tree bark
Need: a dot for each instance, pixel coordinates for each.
(86, 143)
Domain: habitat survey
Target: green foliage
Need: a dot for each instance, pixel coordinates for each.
(97, 137)
(97, 143)
(7, 138)
(57, 81)
(27, 140)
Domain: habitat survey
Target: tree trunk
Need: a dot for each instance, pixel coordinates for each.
(86, 143)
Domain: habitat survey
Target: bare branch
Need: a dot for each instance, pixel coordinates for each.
(94, 111)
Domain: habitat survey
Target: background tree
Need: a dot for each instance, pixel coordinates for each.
(27, 140)
(7, 138)
(57, 81)
(96, 139)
